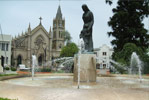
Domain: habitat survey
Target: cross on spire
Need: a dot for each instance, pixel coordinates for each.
(59, 2)
(40, 19)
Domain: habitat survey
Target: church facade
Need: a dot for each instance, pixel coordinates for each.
(38, 41)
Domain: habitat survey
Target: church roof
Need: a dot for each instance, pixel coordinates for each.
(40, 26)
(59, 13)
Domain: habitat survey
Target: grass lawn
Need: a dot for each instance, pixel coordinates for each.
(7, 75)
(6, 99)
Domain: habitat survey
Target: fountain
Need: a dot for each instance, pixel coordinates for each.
(135, 65)
(84, 66)
(34, 63)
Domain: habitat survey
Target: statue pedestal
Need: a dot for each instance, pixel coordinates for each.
(87, 68)
(1, 68)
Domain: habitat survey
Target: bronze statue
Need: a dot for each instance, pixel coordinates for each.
(86, 32)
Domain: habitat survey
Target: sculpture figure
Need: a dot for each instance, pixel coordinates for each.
(86, 32)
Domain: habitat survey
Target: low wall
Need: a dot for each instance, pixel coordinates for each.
(2, 78)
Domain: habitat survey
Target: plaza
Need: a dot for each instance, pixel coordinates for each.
(62, 87)
(78, 50)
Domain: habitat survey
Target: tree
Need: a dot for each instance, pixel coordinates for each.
(127, 26)
(69, 50)
(124, 55)
(67, 37)
(145, 60)
(109, 2)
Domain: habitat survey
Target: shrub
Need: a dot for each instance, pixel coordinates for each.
(7, 68)
(44, 70)
(13, 69)
(6, 99)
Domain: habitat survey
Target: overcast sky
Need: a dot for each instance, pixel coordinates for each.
(15, 16)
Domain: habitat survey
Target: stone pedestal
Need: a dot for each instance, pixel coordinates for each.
(1, 68)
(87, 68)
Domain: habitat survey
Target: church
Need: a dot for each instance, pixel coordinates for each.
(38, 41)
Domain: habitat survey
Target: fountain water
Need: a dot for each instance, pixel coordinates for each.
(135, 64)
(34, 63)
(84, 66)
(80, 50)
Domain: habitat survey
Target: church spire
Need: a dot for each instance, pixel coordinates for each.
(50, 30)
(40, 20)
(22, 33)
(59, 13)
(29, 28)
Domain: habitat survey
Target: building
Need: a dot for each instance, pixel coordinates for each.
(38, 41)
(5, 50)
(104, 55)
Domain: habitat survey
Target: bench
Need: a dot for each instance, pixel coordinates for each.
(22, 67)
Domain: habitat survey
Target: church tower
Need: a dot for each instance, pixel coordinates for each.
(58, 37)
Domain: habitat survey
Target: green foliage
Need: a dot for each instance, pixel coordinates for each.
(127, 26)
(13, 69)
(7, 68)
(67, 37)
(121, 70)
(145, 59)
(69, 50)
(7, 75)
(59, 71)
(6, 99)
(43, 70)
(109, 2)
(124, 55)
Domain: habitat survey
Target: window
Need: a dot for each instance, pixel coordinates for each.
(97, 66)
(3, 46)
(54, 25)
(60, 46)
(7, 46)
(0, 46)
(54, 34)
(60, 34)
(104, 53)
(101, 66)
(104, 65)
(107, 66)
(60, 25)
(6, 60)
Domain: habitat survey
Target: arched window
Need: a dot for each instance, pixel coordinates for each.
(39, 41)
(19, 60)
(40, 60)
(60, 46)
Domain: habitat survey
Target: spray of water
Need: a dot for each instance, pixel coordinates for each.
(34, 64)
(136, 63)
(81, 47)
